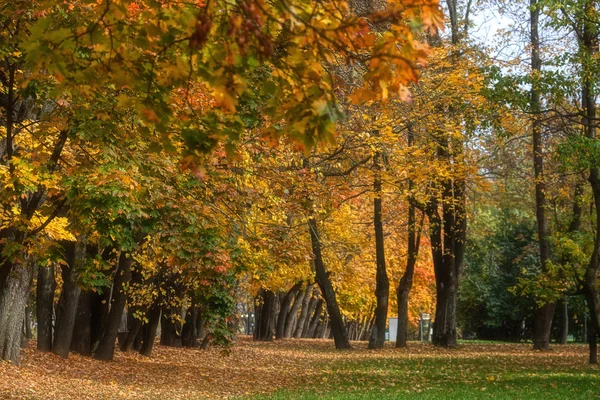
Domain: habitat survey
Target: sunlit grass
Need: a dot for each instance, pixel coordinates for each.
(474, 371)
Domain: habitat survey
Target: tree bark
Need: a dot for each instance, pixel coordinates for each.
(264, 326)
(150, 331)
(382, 289)
(13, 299)
(133, 333)
(28, 334)
(564, 321)
(405, 285)
(284, 310)
(312, 327)
(46, 285)
(292, 318)
(82, 340)
(304, 311)
(589, 47)
(414, 240)
(545, 312)
(593, 342)
(312, 305)
(340, 335)
(106, 346)
(170, 329)
(69, 298)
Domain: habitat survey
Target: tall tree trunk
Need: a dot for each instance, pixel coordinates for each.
(69, 298)
(589, 48)
(304, 311)
(448, 233)
(106, 346)
(46, 285)
(340, 335)
(414, 239)
(545, 312)
(13, 299)
(382, 289)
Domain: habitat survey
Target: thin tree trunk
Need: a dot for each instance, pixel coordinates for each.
(589, 48)
(284, 310)
(133, 334)
(28, 334)
(46, 285)
(545, 312)
(382, 290)
(312, 305)
(340, 335)
(304, 311)
(106, 346)
(564, 321)
(312, 327)
(292, 317)
(405, 285)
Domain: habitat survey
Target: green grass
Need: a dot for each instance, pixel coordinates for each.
(476, 371)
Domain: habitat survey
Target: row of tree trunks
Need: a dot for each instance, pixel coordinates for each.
(284, 312)
(360, 327)
(305, 318)
(293, 317)
(308, 308)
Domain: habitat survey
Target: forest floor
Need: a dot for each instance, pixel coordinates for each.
(309, 369)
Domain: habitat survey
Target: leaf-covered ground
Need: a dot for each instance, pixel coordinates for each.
(309, 369)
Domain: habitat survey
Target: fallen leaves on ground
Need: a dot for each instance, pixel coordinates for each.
(253, 368)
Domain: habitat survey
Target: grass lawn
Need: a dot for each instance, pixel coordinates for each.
(310, 369)
(474, 371)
